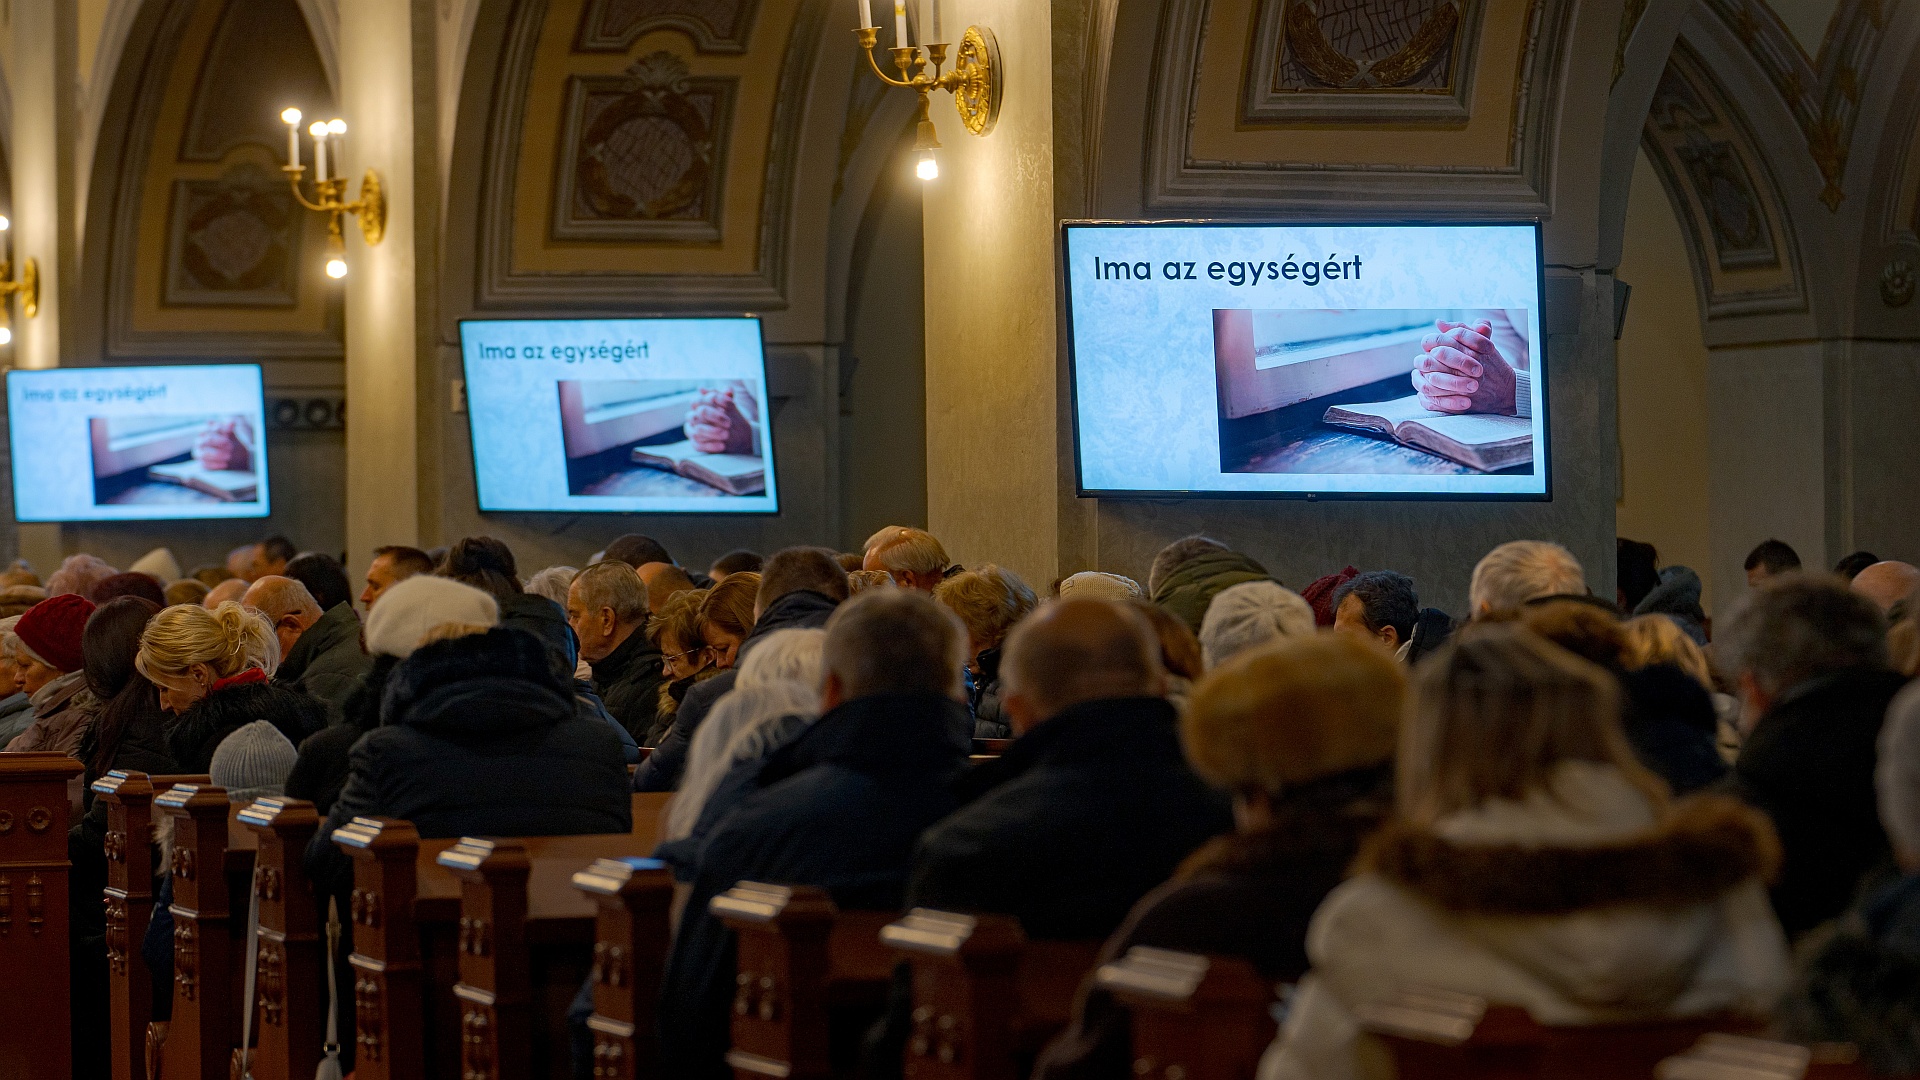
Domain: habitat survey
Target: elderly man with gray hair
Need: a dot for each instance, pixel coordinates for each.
(1521, 571)
(320, 650)
(1810, 661)
(914, 558)
(607, 609)
(839, 807)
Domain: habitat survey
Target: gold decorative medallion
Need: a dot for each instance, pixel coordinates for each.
(976, 73)
(372, 209)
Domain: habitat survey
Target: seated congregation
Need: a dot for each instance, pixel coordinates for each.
(876, 814)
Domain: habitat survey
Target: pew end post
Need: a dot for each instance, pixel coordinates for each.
(633, 898)
(34, 816)
(200, 1037)
(291, 951)
(966, 993)
(1201, 1017)
(495, 1003)
(389, 1042)
(780, 988)
(128, 849)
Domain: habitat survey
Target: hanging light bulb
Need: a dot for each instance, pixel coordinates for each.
(929, 166)
(5, 223)
(336, 258)
(6, 336)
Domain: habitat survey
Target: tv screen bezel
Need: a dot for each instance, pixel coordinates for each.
(1542, 376)
(473, 459)
(265, 502)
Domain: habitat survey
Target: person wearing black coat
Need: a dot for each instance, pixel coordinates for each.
(480, 736)
(802, 609)
(1303, 733)
(233, 704)
(839, 807)
(1810, 658)
(320, 773)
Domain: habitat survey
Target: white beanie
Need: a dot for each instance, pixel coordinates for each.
(253, 762)
(158, 564)
(412, 607)
(1098, 585)
(1250, 614)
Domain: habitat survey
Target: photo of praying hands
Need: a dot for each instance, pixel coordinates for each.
(722, 420)
(226, 445)
(1475, 367)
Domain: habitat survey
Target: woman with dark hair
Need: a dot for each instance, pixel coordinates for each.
(484, 563)
(129, 734)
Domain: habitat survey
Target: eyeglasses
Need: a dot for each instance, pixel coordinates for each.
(674, 658)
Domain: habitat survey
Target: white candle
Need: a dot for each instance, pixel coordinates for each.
(900, 24)
(934, 34)
(866, 14)
(291, 117)
(319, 133)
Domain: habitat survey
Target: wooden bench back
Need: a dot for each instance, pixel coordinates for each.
(34, 816)
(985, 999)
(798, 956)
(1198, 1017)
(633, 932)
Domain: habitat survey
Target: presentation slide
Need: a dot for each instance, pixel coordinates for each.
(620, 415)
(1355, 361)
(138, 443)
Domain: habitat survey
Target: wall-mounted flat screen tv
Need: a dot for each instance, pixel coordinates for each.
(627, 416)
(138, 443)
(1224, 360)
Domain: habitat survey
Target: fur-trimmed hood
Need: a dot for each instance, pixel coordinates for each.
(1704, 847)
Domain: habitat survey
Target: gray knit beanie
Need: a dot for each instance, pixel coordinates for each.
(253, 762)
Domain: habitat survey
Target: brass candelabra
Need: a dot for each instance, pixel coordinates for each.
(974, 83)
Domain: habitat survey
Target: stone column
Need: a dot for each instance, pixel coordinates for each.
(45, 77)
(387, 100)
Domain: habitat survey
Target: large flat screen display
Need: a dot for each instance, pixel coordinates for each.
(620, 415)
(1350, 361)
(138, 443)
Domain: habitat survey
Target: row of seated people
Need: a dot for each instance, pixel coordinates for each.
(482, 730)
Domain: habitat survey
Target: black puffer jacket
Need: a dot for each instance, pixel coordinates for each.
(481, 737)
(320, 772)
(193, 739)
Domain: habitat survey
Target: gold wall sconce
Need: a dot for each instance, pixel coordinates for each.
(329, 190)
(974, 82)
(28, 287)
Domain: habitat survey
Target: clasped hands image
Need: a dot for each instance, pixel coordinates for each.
(226, 445)
(1460, 371)
(722, 419)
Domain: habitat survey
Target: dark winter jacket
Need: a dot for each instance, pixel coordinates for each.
(16, 714)
(192, 739)
(547, 621)
(682, 856)
(1081, 817)
(1809, 764)
(983, 698)
(320, 772)
(1192, 586)
(803, 609)
(1247, 894)
(327, 662)
(628, 680)
(481, 737)
(1431, 629)
(840, 808)
(1671, 723)
(1678, 597)
(1861, 984)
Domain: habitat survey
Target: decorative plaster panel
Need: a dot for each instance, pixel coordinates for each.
(715, 26)
(1344, 61)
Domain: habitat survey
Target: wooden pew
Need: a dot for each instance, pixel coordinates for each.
(800, 957)
(1441, 1035)
(290, 944)
(206, 939)
(632, 936)
(985, 999)
(34, 813)
(1198, 1017)
(129, 854)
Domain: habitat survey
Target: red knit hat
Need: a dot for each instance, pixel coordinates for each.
(52, 629)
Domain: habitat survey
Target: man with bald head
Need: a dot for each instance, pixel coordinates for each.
(1093, 804)
(663, 581)
(232, 588)
(320, 651)
(1887, 583)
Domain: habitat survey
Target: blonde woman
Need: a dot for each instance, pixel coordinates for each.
(214, 670)
(989, 601)
(1657, 639)
(675, 632)
(1531, 861)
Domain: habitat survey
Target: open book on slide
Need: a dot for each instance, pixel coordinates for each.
(735, 474)
(1478, 440)
(227, 485)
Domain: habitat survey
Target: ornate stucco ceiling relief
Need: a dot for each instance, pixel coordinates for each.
(1709, 164)
(1372, 59)
(1824, 93)
(716, 26)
